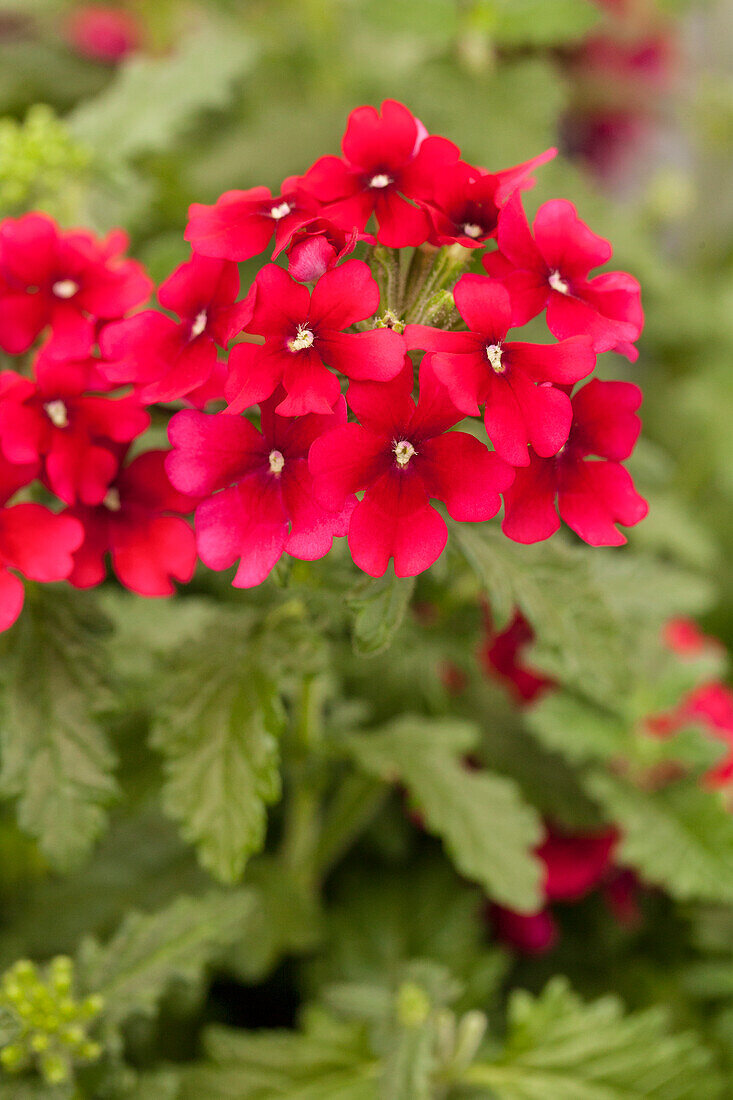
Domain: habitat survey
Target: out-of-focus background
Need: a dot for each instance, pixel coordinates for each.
(126, 113)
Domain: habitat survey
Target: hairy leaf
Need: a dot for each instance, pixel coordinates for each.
(487, 828)
(55, 757)
(679, 837)
(379, 606)
(558, 1048)
(150, 950)
(217, 731)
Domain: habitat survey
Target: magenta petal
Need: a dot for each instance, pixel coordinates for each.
(377, 355)
(565, 362)
(427, 338)
(400, 224)
(459, 470)
(12, 595)
(465, 378)
(605, 420)
(566, 242)
(529, 503)
(484, 305)
(38, 542)
(344, 461)
(506, 420)
(148, 556)
(310, 387)
(211, 450)
(254, 373)
(192, 368)
(235, 228)
(594, 496)
(515, 239)
(381, 528)
(312, 527)
(343, 296)
(247, 522)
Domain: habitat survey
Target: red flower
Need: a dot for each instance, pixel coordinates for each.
(479, 367)
(149, 548)
(592, 497)
(530, 933)
(386, 160)
(74, 433)
(241, 223)
(465, 201)
(65, 279)
(501, 656)
(102, 33)
(33, 541)
(318, 246)
(403, 455)
(303, 332)
(552, 270)
(170, 359)
(262, 504)
(575, 863)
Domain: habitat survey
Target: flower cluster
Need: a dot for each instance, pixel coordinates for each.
(322, 402)
(66, 432)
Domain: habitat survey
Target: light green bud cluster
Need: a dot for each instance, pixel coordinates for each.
(39, 162)
(52, 1027)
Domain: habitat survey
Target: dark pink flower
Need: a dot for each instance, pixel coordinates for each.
(386, 161)
(241, 224)
(575, 863)
(318, 246)
(149, 547)
(501, 657)
(103, 33)
(304, 336)
(551, 270)
(465, 201)
(65, 279)
(259, 491)
(592, 496)
(169, 359)
(529, 933)
(35, 543)
(513, 380)
(403, 455)
(56, 422)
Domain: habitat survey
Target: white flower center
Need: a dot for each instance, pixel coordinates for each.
(403, 452)
(199, 324)
(65, 288)
(493, 354)
(277, 462)
(380, 180)
(557, 283)
(472, 230)
(302, 340)
(280, 211)
(57, 413)
(112, 500)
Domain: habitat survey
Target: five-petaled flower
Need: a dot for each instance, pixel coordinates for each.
(551, 270)
(303, 334)
(403, 454)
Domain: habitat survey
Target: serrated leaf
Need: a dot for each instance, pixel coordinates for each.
(150, 950)
(558, 1048)
(679, 837)
(329, 1060)
(152, 100)
(217, 731)
(55, 756)
(486, 827)
(379, 605)
(596, 617)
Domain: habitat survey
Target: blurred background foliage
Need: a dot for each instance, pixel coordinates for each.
(222, 94)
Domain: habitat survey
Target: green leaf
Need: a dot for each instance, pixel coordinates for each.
(151, 950)
(329, 1060)
(486, 827)
(217, 731)
(379, 605)
(55, 757)
(558, 1048)
(151, 100)
(679, 837)
(597, 617)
